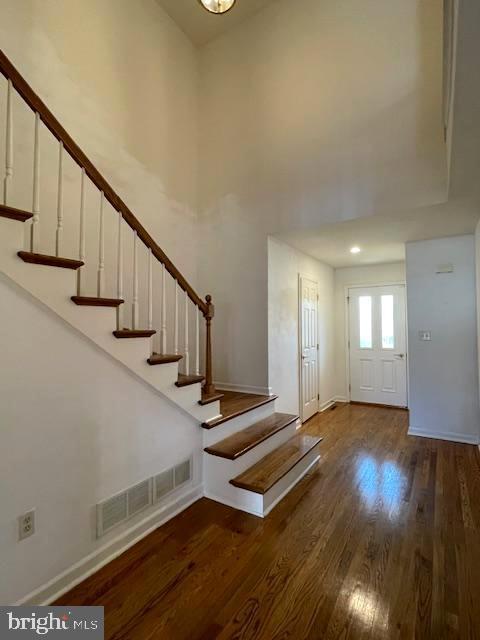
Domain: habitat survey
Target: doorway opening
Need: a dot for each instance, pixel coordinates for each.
(308, 347)
(377, 345)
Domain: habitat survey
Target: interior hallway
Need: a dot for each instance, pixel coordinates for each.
(382, 540)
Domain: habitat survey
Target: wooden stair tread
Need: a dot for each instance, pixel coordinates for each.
(239, 443)
(274, 466)
(14, 214)
(184, 380)
(50, 261)
(87, 301)
(134, 333)
(208, 399)
(157, 358)
(234, 404)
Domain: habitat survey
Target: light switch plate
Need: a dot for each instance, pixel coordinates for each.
(425, 335)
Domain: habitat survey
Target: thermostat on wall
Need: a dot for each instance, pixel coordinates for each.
(444, 268)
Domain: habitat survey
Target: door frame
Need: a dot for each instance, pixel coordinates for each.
(299, 345)
(347, 288)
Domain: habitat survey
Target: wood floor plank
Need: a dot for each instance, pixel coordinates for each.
(380, 541)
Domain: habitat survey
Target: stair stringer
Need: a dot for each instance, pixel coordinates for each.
(53, 287)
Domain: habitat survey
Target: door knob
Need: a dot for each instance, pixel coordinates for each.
(399, 355)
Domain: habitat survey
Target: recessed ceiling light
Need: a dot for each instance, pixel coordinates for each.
(355, 250)
(217, 6)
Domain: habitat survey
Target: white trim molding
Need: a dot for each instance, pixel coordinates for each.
(326, 405)
(452, 436)
(243, 388)
(62, 583)
(330, 403)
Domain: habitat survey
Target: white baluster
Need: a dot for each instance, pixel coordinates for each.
(135, 284)
(163, 337)
(150, 291)
(8, 145)
(59, 233)
(81, 242)
(101, 251)
(120, 272)
(197, 341)
(36, 186)
(187, 353)
(175, 321)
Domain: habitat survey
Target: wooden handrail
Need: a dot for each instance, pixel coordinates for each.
(54, 126)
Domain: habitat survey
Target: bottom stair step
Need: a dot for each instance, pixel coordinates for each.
(273, 467)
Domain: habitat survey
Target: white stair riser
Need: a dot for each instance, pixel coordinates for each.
(228, 428)
(218, 471)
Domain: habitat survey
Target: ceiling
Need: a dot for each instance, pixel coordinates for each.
(201, 26)
(382, 239)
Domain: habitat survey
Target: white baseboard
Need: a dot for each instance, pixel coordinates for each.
(342, 399)
(452, 436)
(230, 503)
(326, 405)
(242, 388)
(52, 590)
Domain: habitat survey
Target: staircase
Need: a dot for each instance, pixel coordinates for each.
(252, 455)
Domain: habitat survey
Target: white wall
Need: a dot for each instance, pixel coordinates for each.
(73, 433)
(123, 80)
(444, 393)
(309, 116)
(284, 265)
(373, 274)
(477, 281)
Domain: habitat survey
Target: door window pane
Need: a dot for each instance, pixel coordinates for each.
(365, 315)
(388, 341)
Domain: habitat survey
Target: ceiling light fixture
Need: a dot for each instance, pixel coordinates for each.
(355, 250)
(217, 6)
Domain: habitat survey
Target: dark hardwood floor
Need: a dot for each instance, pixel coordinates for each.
(381, 540)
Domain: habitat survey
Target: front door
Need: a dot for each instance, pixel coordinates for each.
(378, 358)
(308, 347)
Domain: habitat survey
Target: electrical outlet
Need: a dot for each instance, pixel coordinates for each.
(26, 525)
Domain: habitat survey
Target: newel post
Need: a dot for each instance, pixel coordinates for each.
(209, 388)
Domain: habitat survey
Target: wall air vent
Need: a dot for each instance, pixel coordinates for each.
(163, 484)
(182, 472)
(139, 497)
(133, 500)
(111, 512)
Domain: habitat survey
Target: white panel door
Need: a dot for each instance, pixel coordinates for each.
(308, 347)
(378, 357)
